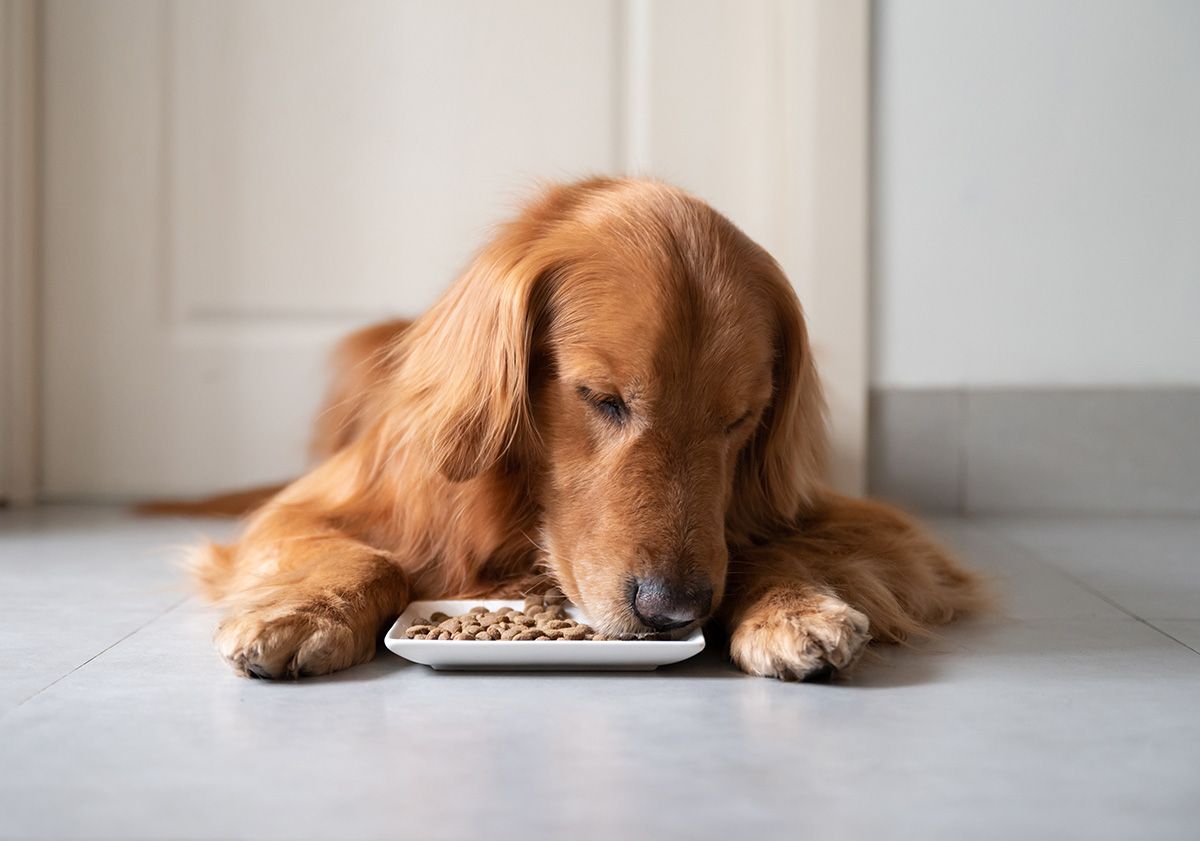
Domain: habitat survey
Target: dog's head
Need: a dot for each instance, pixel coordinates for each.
(646, 366)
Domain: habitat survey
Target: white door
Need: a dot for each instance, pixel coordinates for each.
(229, 186)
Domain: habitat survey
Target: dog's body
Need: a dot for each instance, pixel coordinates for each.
(617, 395)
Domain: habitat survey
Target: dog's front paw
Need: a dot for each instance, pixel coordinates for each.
(811, 640)
(290, 643)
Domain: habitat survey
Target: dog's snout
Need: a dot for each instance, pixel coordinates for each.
(664, 606)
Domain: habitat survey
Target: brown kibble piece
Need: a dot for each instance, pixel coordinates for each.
(544, 618)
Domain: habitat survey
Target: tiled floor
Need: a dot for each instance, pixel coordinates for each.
(1074, 715)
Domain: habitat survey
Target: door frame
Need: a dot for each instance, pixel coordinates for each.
(19, 319)
(803, 90)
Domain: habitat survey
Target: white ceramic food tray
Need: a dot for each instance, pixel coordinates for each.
(604, 655)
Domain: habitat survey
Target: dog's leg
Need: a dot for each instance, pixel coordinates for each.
(307, 601)
(804, 605)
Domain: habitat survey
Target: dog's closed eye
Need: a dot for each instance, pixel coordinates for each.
(740, 422)
(609, 406)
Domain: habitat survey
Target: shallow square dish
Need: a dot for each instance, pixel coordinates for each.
(533, 655)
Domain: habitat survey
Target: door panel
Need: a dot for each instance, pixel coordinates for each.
(331, 158)
(229, 186)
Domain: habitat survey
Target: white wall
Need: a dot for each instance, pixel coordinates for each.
(1037, 193)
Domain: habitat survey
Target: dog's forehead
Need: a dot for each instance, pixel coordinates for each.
(631, 330)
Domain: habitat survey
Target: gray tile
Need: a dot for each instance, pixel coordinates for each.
(75, 580)
(156, 739)
(1149, 566)
(1025, 587)
(916, 448)
(1104, 451)
(1043, 722)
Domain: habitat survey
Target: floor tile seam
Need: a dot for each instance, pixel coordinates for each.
(1036, 555)
(161, 614)
(1168, 634)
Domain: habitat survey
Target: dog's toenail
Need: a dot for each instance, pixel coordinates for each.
(254, 670)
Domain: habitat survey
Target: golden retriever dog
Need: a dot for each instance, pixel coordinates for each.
(617, 397)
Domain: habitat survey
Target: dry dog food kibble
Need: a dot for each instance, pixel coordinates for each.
(542, 618)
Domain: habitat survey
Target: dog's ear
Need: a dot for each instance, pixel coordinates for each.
(781, 468)
(464, 368)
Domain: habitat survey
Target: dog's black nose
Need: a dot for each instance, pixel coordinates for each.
(664, 606)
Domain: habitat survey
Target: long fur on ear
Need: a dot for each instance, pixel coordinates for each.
(781, 469)
(464, 367)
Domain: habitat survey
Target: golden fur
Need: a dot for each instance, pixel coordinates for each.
(619, 389)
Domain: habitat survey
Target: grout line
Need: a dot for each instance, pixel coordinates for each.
(1036, 555)
(104, 650)
(1098, 594)
(1166, 634)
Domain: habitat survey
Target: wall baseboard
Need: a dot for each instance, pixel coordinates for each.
(1010, 451)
